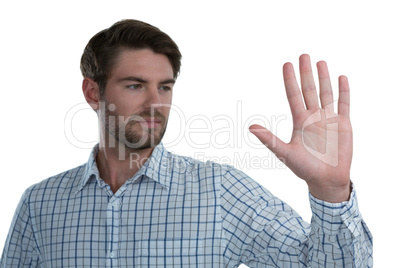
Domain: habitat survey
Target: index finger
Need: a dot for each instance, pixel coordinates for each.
(292, 89)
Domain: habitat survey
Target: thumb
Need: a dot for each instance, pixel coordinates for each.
(276, 145)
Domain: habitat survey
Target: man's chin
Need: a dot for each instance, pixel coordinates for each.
(142, 144)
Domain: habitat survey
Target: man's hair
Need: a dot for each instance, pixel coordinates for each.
(103, 49)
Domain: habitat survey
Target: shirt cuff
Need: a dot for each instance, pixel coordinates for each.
(336, 218)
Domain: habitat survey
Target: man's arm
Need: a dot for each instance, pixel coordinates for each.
(320, 153)
(263, 231)
(20, 249)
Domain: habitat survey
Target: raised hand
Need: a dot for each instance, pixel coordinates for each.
(320, 150)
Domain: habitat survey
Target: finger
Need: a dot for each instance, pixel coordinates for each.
(326, 96)
(273, 143)
(344, 96)
(292, 89)
(307, 83)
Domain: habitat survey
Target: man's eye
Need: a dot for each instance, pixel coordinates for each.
(165, 88)
(135, 86)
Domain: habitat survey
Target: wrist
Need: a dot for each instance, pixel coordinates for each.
(330, 193)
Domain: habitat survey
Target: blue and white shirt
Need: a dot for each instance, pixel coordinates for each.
(178, 212)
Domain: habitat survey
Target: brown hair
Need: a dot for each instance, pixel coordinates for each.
(102, 50)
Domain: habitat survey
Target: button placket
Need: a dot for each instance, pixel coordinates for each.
(113, 227)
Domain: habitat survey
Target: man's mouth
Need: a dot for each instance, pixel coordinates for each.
(150, 122)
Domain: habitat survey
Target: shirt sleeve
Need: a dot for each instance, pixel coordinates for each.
(338, 233)
(20, 249)
(263, 231)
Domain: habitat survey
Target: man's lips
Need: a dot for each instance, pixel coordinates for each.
(150, 122)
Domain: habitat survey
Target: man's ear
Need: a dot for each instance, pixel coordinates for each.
(91, 92)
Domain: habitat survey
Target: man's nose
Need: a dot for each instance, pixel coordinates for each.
(152, 99)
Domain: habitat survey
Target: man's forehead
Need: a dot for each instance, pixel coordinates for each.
(144, 64)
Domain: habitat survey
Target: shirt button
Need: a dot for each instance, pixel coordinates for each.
(111, 255)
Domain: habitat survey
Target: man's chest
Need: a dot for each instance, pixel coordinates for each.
(148, 226)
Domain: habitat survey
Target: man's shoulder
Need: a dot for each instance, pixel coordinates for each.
(225, 174)
(234, 183)
(57, 183)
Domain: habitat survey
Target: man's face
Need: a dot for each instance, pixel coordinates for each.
(137, 99)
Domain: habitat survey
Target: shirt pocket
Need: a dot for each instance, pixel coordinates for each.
(169, 253)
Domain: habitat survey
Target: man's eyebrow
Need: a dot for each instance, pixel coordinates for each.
(168, 81)
(138, 79)
(132, 78)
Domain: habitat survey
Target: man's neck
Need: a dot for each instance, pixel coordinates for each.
(117, 164)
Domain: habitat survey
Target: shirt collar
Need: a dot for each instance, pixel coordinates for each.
(157, 167)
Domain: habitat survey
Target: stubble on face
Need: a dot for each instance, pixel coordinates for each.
(132, 132)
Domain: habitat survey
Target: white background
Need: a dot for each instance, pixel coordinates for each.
(233, 52)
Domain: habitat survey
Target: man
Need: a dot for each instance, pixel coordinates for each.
(134, 204)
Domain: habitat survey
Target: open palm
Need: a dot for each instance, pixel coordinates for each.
(320, 150)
